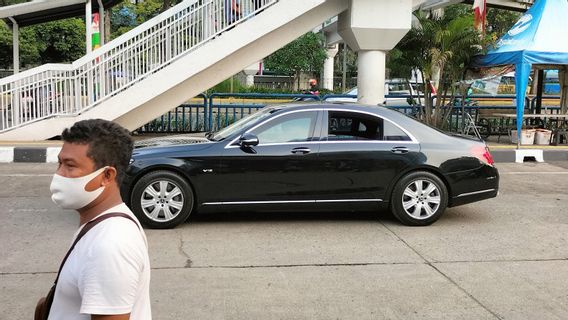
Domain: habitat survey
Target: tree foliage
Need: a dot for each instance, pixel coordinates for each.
(303, 54)
(63, 41)
(129, 15)
(500, 21)
(60, 41)
(443, 44)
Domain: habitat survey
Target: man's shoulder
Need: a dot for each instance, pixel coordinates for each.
(119, 209)
(116, 231)
(116, 237)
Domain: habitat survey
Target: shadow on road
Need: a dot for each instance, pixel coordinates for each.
(291, 216)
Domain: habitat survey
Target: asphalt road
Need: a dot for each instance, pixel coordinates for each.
(504, 258)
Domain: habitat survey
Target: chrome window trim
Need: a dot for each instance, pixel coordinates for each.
(474, 193)
(328, 142)
(413, 140)
(371, 141)
(349, 200)
(290, 201)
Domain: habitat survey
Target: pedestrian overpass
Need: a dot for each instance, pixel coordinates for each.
(184, 51)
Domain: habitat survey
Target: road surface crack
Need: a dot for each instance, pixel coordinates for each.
(182, 252)
(427, 262)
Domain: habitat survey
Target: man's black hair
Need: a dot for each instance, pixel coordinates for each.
(109, 143)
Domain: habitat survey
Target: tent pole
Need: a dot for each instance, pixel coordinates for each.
(522, 72)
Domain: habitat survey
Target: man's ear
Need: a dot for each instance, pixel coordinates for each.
(109, 176)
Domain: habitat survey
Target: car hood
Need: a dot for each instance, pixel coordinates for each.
(167, 145)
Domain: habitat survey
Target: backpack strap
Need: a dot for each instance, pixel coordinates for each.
(86, 229)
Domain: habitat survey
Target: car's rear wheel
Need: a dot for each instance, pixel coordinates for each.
(419, 199)
(162, 199)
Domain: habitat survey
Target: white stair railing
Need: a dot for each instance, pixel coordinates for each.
(69, 89)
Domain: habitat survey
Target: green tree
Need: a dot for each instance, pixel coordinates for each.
(303, 54)
(29, 51)
(350, 65)
(445, 44)
(129, 15)
(500, 21)
(60, 41)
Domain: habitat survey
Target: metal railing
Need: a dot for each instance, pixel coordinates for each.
(187, 118)
(221, 109)
(223, 113)
(69, 89)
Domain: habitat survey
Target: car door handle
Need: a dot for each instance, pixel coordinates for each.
(301, 150)
(399, 150)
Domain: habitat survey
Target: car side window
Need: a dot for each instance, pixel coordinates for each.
(353, 126)
(393, 133)
(293, 127)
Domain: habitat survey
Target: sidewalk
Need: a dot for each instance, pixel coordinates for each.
(47, 151)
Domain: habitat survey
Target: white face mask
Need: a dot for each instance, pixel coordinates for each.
(70, 193)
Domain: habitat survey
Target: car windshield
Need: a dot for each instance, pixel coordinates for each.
(240, 124)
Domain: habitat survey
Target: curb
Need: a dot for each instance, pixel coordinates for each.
(509, 155)
(29, 154)
(49, 155)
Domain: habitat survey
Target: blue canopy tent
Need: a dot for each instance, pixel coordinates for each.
(539, 38)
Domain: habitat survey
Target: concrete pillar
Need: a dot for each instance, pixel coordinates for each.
(89, 26)
(327, 81)
(250, 72)
(16, 45)
(102, 22)
(371, 73)
(371, 28)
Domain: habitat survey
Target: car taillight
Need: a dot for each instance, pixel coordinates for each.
(482, 153)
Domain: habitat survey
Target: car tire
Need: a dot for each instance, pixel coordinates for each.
(419, 199)
(162, 199)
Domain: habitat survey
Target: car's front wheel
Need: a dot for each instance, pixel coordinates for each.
(162, 199)
(419, 199)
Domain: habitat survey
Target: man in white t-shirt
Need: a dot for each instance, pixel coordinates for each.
(107, 273)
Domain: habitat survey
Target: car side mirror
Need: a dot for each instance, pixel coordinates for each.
(248, 140)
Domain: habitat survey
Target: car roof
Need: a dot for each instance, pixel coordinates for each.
(342, 105)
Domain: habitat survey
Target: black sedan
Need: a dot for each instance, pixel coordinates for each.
(311, 157)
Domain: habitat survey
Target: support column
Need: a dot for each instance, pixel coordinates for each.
(16, 45)
(250, 72)
(327, 81)
(371, 76)
(88, 26)
(372, 28)
(102, 22)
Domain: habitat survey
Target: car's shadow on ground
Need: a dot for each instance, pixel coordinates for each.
(461, 215)
(383, 215)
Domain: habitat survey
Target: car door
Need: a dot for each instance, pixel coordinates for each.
(280, 168)
(360, 154)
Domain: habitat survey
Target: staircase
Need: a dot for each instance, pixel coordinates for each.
(156, 66)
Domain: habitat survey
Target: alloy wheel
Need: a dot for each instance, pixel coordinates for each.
(162, 200)
(421, 199)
